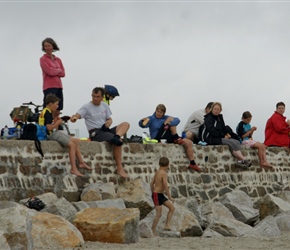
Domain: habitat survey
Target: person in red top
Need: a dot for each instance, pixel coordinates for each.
(277, 128)
(52, 71)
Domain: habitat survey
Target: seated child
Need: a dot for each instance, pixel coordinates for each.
(158, 186)
(54, 134)
(162, 126)
(245, 131)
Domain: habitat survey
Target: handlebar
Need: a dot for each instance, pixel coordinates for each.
(31, 103)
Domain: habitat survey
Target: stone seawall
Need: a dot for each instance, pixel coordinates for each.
(23, 173)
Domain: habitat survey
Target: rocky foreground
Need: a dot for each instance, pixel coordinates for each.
(105, 219)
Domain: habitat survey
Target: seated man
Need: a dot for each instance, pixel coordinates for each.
(97, 115)
(277, 129)
(162, 126)
(194, 122)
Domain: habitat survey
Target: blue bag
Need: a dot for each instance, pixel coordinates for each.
(41, 132)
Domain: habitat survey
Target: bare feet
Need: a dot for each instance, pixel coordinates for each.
(167, 229)
(76, 172)
(85, 166)
(266, 165)
(122, 173)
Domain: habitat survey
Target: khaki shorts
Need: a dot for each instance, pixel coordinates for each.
(60, 136)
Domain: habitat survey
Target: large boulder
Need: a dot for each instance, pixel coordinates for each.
(15, 223)
(109, 224)
(47, 198)
(183, 221)
(284, 195)
(268, 227)
(3, 242)
(136, 194)
(271, 205)
(145, 230)
(98, 191)
(51, 231)
(192, 205)
(118, 203)
(241, 206)
(57, 206)
(283, 221)
(222, 221)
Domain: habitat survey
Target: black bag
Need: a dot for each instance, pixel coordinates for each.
(35, 203)
(30, 133)
(136, 138)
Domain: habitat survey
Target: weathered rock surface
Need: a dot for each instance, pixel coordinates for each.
(51, 231)
(117, 203)
(241, 206)
(283, 221)
(98, 191)
(268, 227)
(136, 194)
(145, 230)
(109, 224)
(222, 221)
(271, 205)
(15, 223)
(193, 206)
(183, 221)
(3, 242)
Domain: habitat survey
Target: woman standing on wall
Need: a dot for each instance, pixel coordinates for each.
(52, 71)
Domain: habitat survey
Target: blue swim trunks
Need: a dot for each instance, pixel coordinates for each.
(158, 199)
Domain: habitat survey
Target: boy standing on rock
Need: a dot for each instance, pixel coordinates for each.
(158, 186)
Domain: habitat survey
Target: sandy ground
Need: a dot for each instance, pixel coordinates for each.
(225, 243)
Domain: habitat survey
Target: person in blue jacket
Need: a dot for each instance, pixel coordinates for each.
(162, 126)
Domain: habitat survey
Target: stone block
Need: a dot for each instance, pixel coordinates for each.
(110, 225)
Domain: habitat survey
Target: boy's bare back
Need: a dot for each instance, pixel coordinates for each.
(159, 183)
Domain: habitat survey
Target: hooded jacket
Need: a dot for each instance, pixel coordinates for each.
(214, 129)
(277, 131)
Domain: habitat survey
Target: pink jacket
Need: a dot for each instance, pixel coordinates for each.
(277, 131)
(52, 71)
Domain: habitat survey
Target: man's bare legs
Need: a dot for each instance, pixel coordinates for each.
(122, 128)
(117, 152)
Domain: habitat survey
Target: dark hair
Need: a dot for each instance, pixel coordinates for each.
(51, 98)
(246, 115)
(208, 106)
(96, 90)
(50, 41)
(163, 162)
(280, 104)
(161, 107)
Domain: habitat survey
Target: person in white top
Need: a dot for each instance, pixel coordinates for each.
(194, 122)
(97, 115)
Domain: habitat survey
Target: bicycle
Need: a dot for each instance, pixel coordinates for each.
(23, 114)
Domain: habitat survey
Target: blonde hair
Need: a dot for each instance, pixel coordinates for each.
(214, 104)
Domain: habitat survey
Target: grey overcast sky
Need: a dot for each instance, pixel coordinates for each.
(179, 53)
